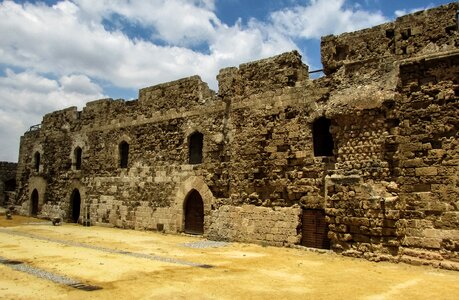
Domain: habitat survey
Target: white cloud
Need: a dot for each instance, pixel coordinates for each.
(79, 84)
(63, 39)
(322, 17)
(402, 12)
(65, 48)
(32, 81)
(176, 21)
(27, 96)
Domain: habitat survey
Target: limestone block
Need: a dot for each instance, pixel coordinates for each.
(426, 171)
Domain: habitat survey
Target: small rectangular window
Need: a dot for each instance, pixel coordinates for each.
(124, 154)
(195, 148)
(322, 137)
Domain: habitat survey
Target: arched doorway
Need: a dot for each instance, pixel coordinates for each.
(194, 213)
(75, 203)
(34, 200)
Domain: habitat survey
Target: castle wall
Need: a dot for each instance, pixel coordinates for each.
(428, 160)
(387, 185)
(7, 182)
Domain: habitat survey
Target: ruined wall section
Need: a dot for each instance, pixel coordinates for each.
(393, 195)
(427, 161)
(425, 32)
(362, 204)
(374, 208)
(272, 168)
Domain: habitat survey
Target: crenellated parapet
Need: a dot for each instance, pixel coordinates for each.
(284, 70)
(184, 93)
(425, 32)
(60, 119)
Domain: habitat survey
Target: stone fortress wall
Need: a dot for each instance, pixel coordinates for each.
(363, 160)
(7, 182)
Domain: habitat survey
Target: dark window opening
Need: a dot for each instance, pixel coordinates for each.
(390, 33)
(195, 150)
(404, 51)
(194, 213)
(34, 200)
(124, 154)
(406, 33)
(322, 138)
(37, 161)
(77, 153)
(75, 205)
(10, 185)
(341, 52)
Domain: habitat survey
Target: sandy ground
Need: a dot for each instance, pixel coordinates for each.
(240, 271)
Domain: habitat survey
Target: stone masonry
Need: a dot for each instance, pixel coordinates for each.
(7, 182)
(363, 160)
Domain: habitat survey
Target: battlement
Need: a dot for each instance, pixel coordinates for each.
(8, 165)
(182, 93)
(58, 118)
(409, 37)
(424, 32)
(272, 73)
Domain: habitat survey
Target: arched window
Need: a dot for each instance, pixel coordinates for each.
(195, 148)
(77, 157)
(322, 138)
(124, 154)
(36, 159)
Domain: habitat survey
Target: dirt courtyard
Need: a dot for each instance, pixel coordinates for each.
(39, 261)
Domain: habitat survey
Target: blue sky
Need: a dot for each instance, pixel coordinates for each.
(56, 54)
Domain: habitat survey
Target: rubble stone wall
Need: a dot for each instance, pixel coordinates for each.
(427, 160)
(7, 182)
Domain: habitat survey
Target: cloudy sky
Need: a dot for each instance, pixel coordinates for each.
(56, 54)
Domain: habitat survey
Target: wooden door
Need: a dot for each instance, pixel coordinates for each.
(194, 213)
(314, 229)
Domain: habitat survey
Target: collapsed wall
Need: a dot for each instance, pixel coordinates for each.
(363, 160)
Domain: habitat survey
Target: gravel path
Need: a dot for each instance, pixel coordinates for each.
(40, 273)
(108, 250)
